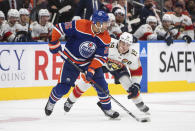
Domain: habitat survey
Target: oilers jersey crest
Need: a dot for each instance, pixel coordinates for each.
(82, 44)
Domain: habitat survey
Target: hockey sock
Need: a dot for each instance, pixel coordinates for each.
(53, 98)
(75, 94)
(105, 101)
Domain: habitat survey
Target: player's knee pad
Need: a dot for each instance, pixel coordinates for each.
(62, 88)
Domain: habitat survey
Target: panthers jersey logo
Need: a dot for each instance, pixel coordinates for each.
(87, 49)
(114, 64)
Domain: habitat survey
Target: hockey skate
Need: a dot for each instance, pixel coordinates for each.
(67, 105)
(143, 108)
(110, 113)
(49, 108)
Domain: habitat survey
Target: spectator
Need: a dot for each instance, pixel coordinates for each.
(168, 6)
(147, 10)
(56, 5)
(183, 3)
(28, 4)
(87, 7)
(40, 4)
(5, 5)
(190, 6)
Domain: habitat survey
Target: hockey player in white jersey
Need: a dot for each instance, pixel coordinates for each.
(10, 27)
(124, 63)
(24, 19)
(42, 31)
(146, 31)
(167, 29)
(12, 20)
(2, 21)
(182, 20)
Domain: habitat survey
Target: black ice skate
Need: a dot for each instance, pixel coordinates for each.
(67, 105)
(110, 113)
(49, 108)
(142, 107)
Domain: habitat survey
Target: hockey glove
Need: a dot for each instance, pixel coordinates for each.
(169, 40)
(54, 47)
(187, 38)
(133, 90)
(89, 75)
(159, 37)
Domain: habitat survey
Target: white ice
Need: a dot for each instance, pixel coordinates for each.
(169, 112)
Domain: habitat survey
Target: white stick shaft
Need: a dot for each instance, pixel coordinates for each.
(54, 17)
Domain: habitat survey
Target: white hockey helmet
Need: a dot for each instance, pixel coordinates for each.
(111, 17)
(13, 13)
(126, 37)
(151, 19)
(166, 17)
(119, 11)
(44, 12)
(23, 11)
(2, 15)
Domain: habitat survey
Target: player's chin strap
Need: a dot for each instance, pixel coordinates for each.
(94, 84)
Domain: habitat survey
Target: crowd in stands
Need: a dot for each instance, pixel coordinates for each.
(33, 20)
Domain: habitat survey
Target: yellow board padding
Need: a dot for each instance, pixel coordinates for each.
(18, 93)
(170, 86)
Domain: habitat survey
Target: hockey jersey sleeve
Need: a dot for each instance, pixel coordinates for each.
(135, 66)
(67, 28)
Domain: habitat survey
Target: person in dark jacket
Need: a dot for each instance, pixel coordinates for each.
(87, 7)
(55, 5)
(146, 11)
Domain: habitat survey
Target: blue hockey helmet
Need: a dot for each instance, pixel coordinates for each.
(100, 16)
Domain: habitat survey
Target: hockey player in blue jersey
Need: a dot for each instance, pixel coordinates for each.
(87, 46)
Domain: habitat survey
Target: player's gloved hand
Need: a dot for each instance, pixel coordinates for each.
(159, 37)
(133, 90)
(187, 38)
(89, 75)
(169, 40)
(54, 47)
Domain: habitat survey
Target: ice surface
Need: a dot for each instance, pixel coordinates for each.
(169, 112)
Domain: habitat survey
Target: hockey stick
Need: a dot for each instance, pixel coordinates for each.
(64, 9)
(142, 5)
(134, 21)
(94, 84)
